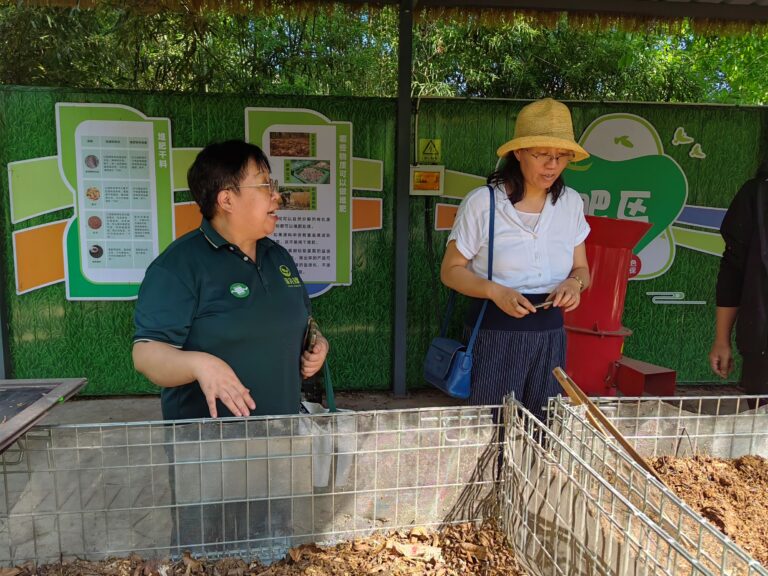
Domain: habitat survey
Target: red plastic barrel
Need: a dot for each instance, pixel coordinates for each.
(595, 334)
(591, 358)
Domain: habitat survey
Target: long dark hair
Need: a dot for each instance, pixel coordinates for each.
(511, 174)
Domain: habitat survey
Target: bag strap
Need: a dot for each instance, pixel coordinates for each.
(330, 399)
(452, 297)
(448, 314)
(479, 320)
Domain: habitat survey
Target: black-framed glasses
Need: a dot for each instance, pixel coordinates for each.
(272, 186)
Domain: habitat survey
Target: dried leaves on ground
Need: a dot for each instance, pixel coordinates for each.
(458, 550)
(731, 494)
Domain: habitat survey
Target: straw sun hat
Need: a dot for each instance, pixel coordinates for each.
(544, 124)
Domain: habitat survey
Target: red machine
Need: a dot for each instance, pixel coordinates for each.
(595, 334)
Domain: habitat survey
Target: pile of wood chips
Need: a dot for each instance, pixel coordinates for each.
(731, 494)
(458, 550)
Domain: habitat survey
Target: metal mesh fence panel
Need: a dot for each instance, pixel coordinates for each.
(252, 487)
(715, 426)
(257, 487)
(563, 517)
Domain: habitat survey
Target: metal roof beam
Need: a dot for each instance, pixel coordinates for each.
(642, 8)
(756, 11)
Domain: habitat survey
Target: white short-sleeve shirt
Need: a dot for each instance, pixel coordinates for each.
(530, 261)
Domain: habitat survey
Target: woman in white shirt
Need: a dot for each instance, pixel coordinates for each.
(539, 259)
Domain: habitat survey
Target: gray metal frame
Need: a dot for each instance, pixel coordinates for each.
(51, 393)
(717, 426)
(5, 349)
(253, 487)
(402, 197)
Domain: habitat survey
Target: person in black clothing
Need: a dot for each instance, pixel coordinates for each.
(742, 284)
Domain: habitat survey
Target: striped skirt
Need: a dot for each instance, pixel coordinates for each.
(520, 362)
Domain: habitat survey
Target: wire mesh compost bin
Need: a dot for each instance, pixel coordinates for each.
(563, 517)
(721, 427)
(257, 487)
(252, 487)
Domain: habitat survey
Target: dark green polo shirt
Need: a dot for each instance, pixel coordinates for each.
(204, 294)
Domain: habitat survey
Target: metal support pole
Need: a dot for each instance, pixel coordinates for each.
(402, 199)
(5, 355)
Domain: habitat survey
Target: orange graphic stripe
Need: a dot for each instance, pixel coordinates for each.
(367, 214)
(187, 217)
(39, 251)
(39, 256)
(445, 215)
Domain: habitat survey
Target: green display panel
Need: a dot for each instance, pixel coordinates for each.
(677, 165)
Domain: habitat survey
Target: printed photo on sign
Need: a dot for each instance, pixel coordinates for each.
(298, 198)
(91, 162)
(295, 144)
(93, 195)
(94, 225)
(307, 171)
(427, 180)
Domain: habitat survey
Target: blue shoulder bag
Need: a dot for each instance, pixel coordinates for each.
(448, 365)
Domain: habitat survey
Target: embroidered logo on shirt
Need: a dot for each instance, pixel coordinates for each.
(239, 290)
(289, 278)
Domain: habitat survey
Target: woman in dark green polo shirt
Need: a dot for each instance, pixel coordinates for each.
(222, 312)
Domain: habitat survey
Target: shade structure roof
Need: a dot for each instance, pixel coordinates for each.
(717, 13)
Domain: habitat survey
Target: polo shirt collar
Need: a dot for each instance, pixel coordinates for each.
(218, 241)
(214, 238)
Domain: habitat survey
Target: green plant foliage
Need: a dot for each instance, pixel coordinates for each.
(330, 50)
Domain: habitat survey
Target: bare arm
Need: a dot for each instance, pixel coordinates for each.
(721, 355)
(455, 274)
(169, 367)
(581, 266)
(163, 364)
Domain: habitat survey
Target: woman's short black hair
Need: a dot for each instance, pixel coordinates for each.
(219, 166)
(510, 173)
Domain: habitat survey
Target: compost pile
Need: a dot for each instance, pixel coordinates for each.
(457, 550)
(286, 145)
(731, 494)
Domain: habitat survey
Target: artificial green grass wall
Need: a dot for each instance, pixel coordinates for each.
(50, 337)
(675, 336)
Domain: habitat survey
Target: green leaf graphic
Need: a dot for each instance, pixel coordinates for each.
(653, 187)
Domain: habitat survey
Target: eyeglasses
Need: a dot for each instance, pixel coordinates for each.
(272, 186)
(544, 159)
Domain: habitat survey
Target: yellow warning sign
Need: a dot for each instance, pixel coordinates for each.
(429, 151)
